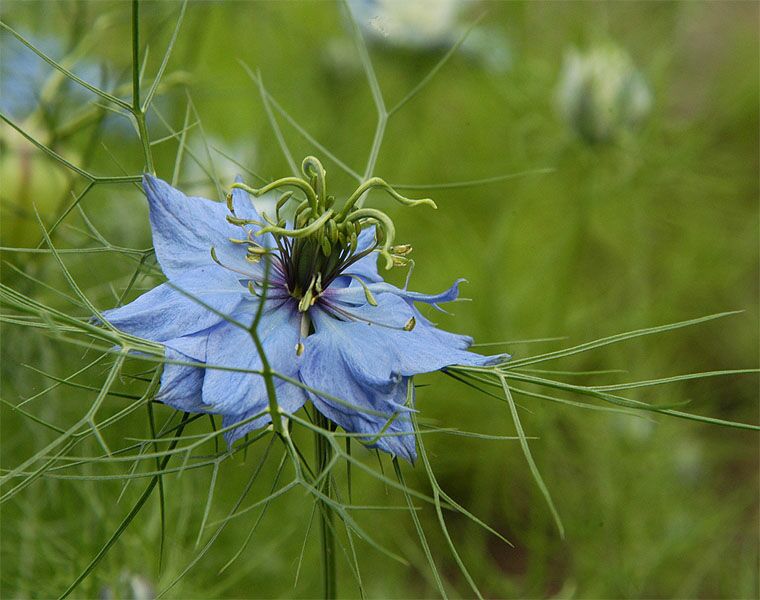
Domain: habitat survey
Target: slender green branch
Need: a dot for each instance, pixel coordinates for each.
(324, 457)
(136, 109)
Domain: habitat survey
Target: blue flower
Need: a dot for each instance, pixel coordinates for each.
(329, 321)
(26, 81)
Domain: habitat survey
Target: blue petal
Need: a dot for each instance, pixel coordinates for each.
(356, 388)
(290, 398)
(192, 346)
(245, 209)
(434, 299)
(184, 227)
(181, 385)
(238, 392)
(355, 294)
(165, 312)
(424, 349)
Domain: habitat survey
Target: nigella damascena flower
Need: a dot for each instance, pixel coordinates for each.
(328, 320)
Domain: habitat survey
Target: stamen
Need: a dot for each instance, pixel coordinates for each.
(367, 293)
(307, 299)
(248, 276)
(399, 261)
(303, 333)
(326, 247)
(331, 307)
(238, 221)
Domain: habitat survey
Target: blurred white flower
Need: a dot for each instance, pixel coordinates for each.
(688, 460)
(601, 93)
(412, 24)
(129, 586)
(633, 428)
(420, 26)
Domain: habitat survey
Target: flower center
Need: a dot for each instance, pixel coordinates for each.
(320, 242)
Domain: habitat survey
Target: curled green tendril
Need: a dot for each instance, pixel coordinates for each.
(372, 214)
(292, 181)
(313, 169)
(381, 183)
(298, 233)
(314, 216)
(282, 201)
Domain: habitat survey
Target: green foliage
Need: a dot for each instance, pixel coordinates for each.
(102, 485)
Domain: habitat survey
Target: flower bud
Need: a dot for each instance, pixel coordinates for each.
(601, 94)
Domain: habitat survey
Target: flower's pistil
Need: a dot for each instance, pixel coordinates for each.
(321, 241)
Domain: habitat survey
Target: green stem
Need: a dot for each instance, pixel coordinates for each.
(266, 370)
(137, 111)
(142, 128)
(136, 55)
(323, 456)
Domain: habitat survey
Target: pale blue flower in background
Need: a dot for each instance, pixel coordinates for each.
(26, 81)
(364, 342)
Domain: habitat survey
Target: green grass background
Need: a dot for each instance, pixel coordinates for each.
(660, 227)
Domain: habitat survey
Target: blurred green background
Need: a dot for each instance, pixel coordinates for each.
(658, 226)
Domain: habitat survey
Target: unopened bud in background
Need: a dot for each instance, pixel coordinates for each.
(602, 94)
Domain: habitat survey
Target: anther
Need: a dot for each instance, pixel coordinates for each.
(367, 293)
(399, 261)
(401, 250)
(326, 247)
(238, 221)
(409, 325)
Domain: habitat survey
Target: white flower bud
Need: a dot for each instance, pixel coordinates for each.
(601, 93)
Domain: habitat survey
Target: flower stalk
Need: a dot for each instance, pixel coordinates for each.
(323, 452)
